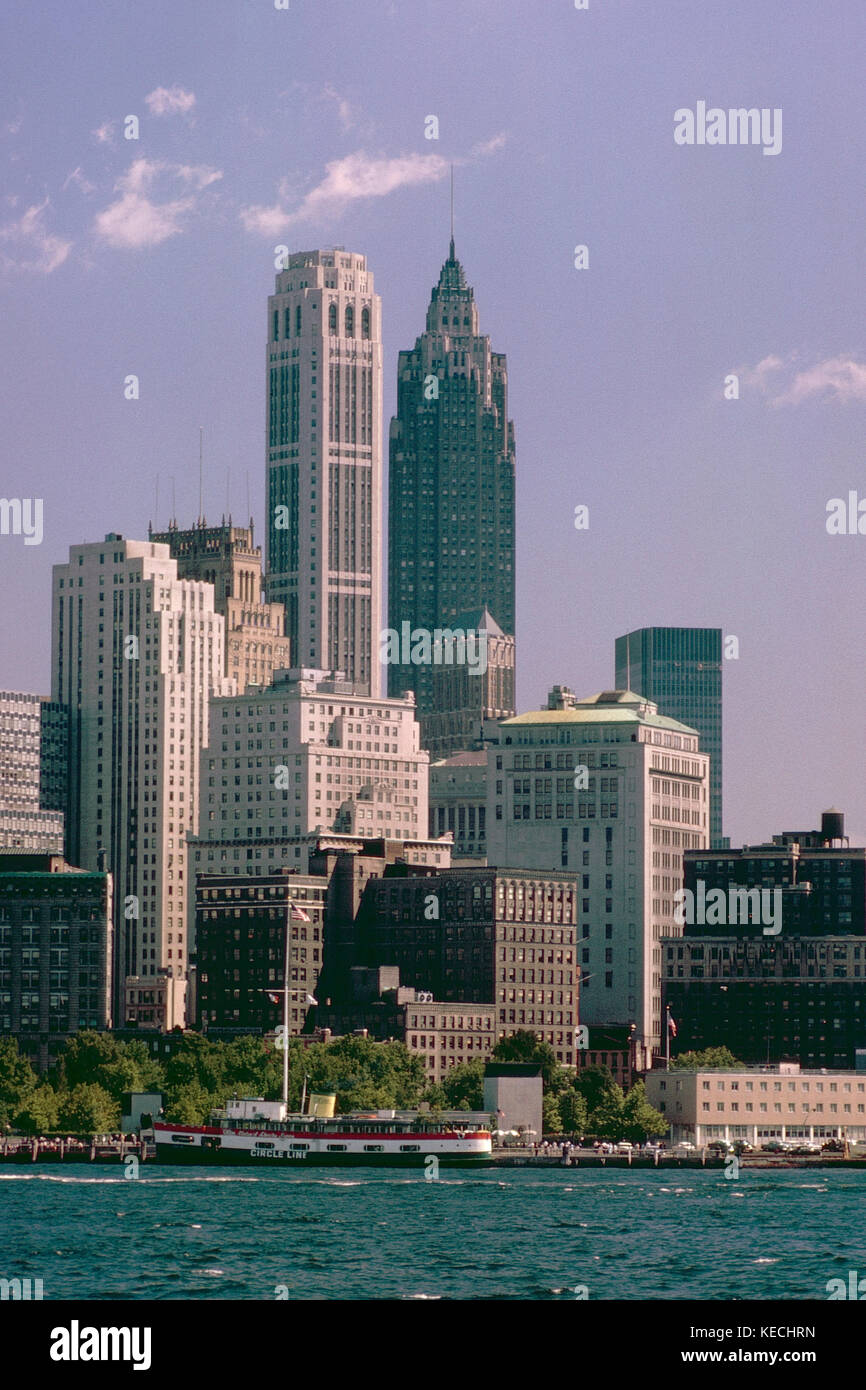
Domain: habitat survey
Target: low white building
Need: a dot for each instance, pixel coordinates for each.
(760, 1103)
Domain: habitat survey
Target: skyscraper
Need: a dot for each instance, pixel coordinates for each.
(136, 653)
(255, 642)
(680, 669)
(324, 461)
(451, 482)
(613, 790)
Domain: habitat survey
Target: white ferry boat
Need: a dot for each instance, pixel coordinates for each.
(262, 1132)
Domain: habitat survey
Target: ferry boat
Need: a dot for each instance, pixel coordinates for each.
(263, 1133)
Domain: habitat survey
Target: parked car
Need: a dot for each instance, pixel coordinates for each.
(624, 1147)
(833, 1146)
(742, 1146)
(684, 1149)
(720, 1146)
(805, 1146)
(776, 1146)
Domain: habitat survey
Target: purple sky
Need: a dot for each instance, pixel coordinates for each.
(306, 127)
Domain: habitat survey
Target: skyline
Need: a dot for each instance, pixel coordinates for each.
(679, 239)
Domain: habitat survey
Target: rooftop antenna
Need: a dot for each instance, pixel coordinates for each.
(200, 444)
(228, 476)
(249, 508)
(452, 212)
(173, 507)
(156, 512)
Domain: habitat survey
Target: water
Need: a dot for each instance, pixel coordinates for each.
(90, 1233)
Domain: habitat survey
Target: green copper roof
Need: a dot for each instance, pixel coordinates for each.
(607, 707)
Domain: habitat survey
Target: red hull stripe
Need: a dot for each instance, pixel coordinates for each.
(318, 1134)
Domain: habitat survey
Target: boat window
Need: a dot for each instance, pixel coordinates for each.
(373, 1148)
(339, 1147)
(410, 1148)
(183, 1138)
(304, 1147)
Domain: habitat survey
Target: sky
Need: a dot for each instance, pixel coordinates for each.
(305, 127)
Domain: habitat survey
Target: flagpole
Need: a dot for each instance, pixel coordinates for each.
(286, 1008)
(667, 1037)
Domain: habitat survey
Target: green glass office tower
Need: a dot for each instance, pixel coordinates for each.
(451, 481)
(680, 669)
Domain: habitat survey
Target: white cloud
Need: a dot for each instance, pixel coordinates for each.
(169, 101)
(104, 134)
(840, 379)
(32, 247)
(835, 379)
(490, 146)
(79, 180)
(135, 219)
(346, 180)
(345, 111)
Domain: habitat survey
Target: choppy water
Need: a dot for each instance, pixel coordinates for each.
(90, 1233)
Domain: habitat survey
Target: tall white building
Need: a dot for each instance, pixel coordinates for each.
(324, 461)
(136, 653)
(312, 752)
(622, 824)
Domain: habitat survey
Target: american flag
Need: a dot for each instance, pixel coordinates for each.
(672, 1027)
(299, 915)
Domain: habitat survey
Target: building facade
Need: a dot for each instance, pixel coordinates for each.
(136, 653)
(767, 997)
(241, 942)
(507, 937)
(462, 697)
(610, 789)
(447, 1035)
(458, 803)
(680, 670)
(324, 461)
(794, 990)
(760, 1103)
(256, 644)
(32, 754)
(312, 754)
(451, 544)
(56, 942)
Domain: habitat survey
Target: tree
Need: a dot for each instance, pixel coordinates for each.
(639, 1119)
(102, 1059)
(593, 1084)
(89, 1109)
(200, 1061)
(365, 1075)
(39, 1111)
(606, 1120)
(551, 1119)
(524, 1046)
(190, 1104)
(17, 1080)
(573, 1111)
(707, 1059)
(463, 1086)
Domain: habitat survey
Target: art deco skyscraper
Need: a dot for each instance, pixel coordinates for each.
(136, 654)
(451, 485)
(324, 462)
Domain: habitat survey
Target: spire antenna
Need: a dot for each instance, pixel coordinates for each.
(200, 450)
(452, 213)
